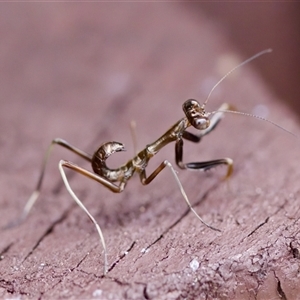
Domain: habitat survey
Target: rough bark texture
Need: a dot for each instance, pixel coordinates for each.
(82, 72)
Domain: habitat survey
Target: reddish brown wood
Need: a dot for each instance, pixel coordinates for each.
(83, 72)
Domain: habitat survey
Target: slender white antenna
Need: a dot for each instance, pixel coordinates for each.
(243, 113)
(254, 116)
(232, 70)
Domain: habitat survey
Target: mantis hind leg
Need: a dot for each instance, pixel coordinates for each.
(34, 196)
(99, 179)
(147, 180)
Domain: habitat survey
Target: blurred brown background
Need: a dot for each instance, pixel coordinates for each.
(261, 25)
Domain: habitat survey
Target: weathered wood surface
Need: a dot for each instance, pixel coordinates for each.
(83, 72)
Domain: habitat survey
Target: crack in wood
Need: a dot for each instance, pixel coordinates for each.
(203, 198)
(6, 249)
(80, 262)
(145, 293)
(48, 231)
(265, 221)
(279, 288)
(121, 256)
(295, 250)
(257, 227)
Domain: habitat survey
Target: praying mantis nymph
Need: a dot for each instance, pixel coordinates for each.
(116, 179)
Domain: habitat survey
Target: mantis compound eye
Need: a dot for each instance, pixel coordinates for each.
(200, 123)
